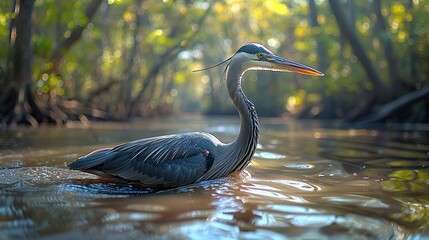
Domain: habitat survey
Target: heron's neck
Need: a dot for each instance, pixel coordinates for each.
(244, 145)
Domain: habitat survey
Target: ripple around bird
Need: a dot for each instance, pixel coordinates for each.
(336, 184)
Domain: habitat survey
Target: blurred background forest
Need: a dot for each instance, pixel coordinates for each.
(121, 59)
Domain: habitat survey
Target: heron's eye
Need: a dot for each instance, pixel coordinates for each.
(260, 55)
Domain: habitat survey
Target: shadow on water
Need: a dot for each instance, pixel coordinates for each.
(306, 181)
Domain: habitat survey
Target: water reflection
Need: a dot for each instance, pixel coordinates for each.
(268, 155)
(305, 182)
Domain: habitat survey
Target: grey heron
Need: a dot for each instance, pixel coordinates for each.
(182, 159)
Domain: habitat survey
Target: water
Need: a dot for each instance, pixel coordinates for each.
(306, 181)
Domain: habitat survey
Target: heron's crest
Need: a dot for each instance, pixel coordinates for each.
(253, 48)
(250, 48)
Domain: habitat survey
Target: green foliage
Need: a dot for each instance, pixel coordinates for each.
(126, 41)
(5, 17)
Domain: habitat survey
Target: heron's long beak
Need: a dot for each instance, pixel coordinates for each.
(281, 64)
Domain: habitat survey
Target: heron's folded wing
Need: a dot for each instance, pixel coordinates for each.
(168, 161)
(91, 160)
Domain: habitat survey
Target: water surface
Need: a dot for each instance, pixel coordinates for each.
(307, 180)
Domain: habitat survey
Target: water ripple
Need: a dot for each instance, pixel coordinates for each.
(307, 182)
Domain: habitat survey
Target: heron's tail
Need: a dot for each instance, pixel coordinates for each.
(92, 160)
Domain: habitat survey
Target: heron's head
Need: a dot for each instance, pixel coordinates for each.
(254, 56)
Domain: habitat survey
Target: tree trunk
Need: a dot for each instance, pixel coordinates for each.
(412, 53)
(351, 13)
(321, 47)
(383, 93)
(75, 35)
(389, 51)
(131, 70)
(18, 106)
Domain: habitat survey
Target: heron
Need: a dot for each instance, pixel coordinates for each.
(186, 158)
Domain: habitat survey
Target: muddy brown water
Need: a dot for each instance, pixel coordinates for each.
(307, 180)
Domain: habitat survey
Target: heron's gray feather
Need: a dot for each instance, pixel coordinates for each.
(166, 161)
(91, 160)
